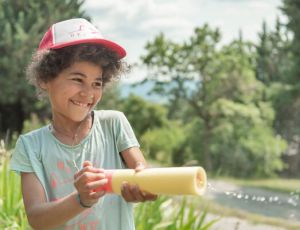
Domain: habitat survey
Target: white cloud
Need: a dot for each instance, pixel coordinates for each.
(134, 22)
(260, 5)
(166, 24)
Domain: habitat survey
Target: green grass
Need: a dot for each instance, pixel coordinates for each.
(12, 213)
(168, 213)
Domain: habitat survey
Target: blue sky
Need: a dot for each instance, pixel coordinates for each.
(132, 23)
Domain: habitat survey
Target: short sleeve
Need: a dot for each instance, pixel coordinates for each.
(125, 136)
(20, 161)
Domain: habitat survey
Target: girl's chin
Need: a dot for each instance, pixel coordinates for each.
(79, 117)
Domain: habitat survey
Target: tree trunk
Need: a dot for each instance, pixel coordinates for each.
(206, 138)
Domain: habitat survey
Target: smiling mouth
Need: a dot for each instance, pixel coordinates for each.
(83, 105)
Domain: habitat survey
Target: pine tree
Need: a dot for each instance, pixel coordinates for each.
(290, 101)
(291, 8)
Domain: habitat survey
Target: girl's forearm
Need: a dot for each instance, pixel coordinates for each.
(53, 214)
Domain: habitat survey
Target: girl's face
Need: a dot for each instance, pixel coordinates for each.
(75, 91)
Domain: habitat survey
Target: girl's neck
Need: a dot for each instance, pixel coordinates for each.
(71, 133)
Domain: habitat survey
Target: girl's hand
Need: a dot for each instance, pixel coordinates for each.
(86, 181)
(132, 193)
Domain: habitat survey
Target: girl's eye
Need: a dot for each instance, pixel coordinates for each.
(77, 79)
(98, 84)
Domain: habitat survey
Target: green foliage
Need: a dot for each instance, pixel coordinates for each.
(33, 123)
(22, 25)
(167, 144)
(278, 66)
(251, 157)
(274, 54)
(255, 142)
(148, 215)
(227, 102)
(291, 10)
(164, 213)
(111, 98)
(161, 139)
(239, 137)
(274, 67)
(143, 115)
(174, 66)
(12, 213)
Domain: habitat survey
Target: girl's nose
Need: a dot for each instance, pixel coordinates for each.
(86, 93)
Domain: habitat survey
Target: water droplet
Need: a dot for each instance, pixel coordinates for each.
(210, 187)
(291, 201)
(239, 196)
(269, 200)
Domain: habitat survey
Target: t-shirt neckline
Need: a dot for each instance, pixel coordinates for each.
(48, 127)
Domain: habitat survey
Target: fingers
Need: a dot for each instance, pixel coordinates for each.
(150, 197)
(88, 194)
(86, 177)
(88, 168)
(126, 193)
(87, 180)
(94, 185)
(132, 193)
(87, 163)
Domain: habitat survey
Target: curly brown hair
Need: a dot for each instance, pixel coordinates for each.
(48, 64)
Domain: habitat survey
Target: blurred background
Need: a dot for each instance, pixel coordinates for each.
(213, 83)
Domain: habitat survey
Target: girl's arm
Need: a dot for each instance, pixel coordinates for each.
(134, 159)
(42, 214)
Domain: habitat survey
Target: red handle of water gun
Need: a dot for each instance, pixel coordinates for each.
(108, 186)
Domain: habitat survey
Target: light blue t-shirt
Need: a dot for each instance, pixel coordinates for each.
(53, 163)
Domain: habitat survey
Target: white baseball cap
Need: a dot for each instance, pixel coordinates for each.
(76, 31)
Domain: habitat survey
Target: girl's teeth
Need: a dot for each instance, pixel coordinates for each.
(80, 104)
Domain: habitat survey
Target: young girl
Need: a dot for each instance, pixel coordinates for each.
(61, 164)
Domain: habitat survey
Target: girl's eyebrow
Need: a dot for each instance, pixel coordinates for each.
(78, 73)
(83, 75)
